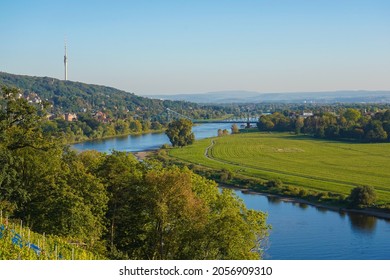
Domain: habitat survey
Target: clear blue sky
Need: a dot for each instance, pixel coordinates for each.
(151, 47)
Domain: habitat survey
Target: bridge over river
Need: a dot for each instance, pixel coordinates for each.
(248, 120)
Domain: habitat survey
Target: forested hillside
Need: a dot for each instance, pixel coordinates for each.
(76, 97)
(77, 111)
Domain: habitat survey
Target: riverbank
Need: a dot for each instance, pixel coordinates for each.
(370, 212)
(142, 155)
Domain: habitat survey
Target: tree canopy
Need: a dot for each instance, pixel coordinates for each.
(362, 196)
(349, 124)
(176, 214)
(180, 132)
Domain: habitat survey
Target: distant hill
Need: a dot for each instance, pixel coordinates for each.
(293, 97)
(68, 96)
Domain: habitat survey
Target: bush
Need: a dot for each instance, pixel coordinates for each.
(225, 175)
(274, 183)
(362, 196)
(303, 193)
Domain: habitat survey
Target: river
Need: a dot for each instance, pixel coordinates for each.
(299, 231)
(143, 142)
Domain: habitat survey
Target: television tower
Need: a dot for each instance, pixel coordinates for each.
(66, 63)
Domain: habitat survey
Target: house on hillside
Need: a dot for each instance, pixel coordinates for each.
(307, 114)
(32, 97)
(100, 116)
(70, 117)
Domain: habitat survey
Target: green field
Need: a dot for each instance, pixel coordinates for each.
(296, 160)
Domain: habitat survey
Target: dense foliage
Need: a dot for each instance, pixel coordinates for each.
(180, 133)
(76, 97)
(87, 128)
(362, 196)
(350, 123)
(115, 205)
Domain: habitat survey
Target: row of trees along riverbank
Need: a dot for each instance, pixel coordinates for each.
(350, 124)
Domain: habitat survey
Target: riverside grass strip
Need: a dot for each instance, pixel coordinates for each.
(299, 160)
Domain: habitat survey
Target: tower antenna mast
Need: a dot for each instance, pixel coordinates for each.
(66, 63)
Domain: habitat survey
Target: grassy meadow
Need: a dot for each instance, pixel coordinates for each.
(297, 160)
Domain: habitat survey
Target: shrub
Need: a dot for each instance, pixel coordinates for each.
(303, 193)
(225, 175)
(362, 196)
(274, 183)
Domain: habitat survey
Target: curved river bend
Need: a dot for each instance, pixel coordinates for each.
(299, 231)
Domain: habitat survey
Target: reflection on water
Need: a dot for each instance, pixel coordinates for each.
(321, 210)
(362, 223)
(342, 214)
(318, 233)
(274, 200)
(303, 205)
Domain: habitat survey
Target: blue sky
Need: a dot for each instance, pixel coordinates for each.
(155, 47)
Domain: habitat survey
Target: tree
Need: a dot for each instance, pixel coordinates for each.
(225, 175)
(265, 124)
(274, 183)
(332, 131)
(146, 124)
(156, 125)
(362, 196)
(136, 126)
(172, 213)
(352, 115)
(192, 220)
(121, 127)
(298, 125)
(43, 182)
(232, 231)
(374, 132)
(20, 136)
(20, 122)
(180, 132)
(122, 175)
(235, 129)
(176, 216)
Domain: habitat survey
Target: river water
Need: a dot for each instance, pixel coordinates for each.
(299, 231)
(142, 142)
